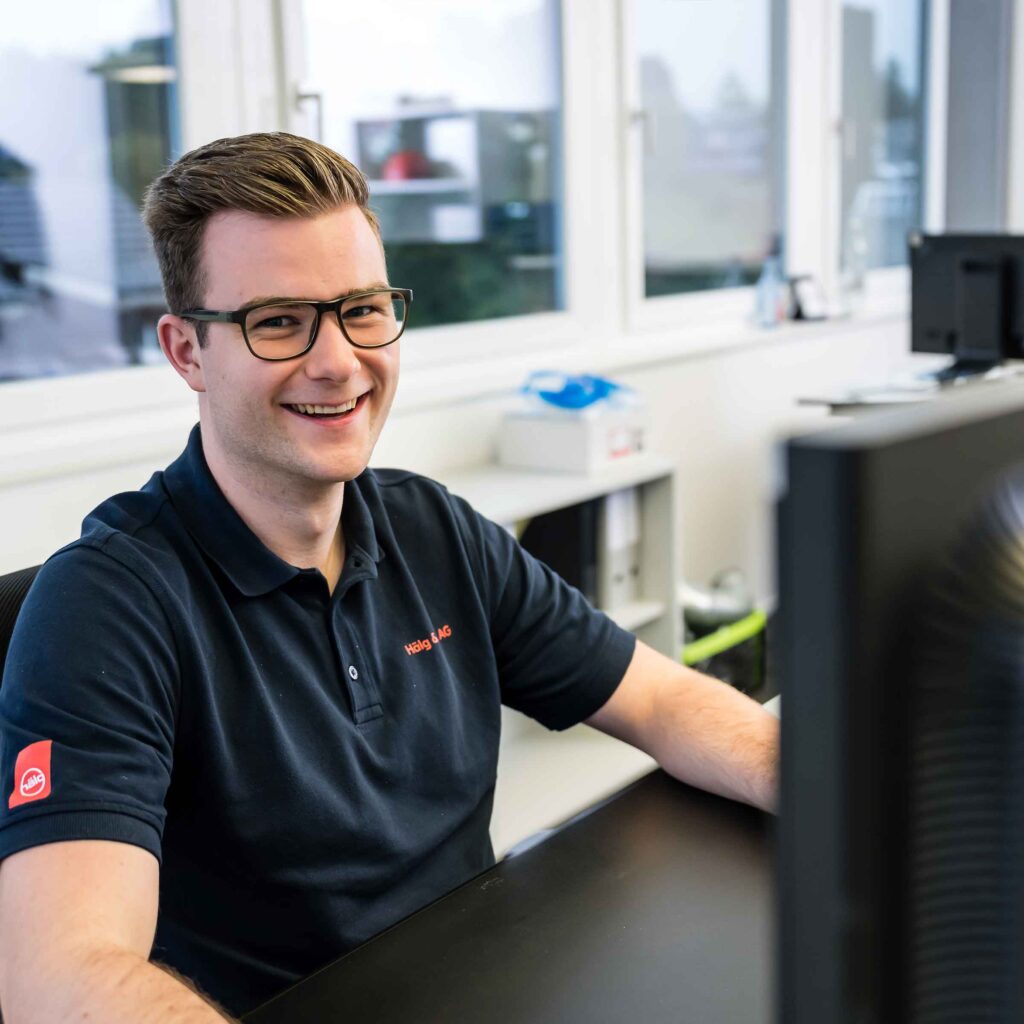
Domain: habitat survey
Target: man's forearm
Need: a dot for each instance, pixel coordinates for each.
(698, 729)
(710, 735)
(112, 987)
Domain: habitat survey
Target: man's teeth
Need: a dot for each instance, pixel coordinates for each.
(325, 410)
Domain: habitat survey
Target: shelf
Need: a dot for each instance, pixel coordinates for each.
(419, 186)
(636, 614)
(507, 495)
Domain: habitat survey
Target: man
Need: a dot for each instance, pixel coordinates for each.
(251, 717)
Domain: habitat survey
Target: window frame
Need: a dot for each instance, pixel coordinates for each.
(470, 347)
(936, 114)
(693, 313)
(887, 289)
(250, 85)
(221, 91)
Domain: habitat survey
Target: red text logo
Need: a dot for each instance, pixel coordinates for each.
(428, 643)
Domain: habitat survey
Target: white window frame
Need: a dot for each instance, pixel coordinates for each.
(247, 86)
(698, 314)
(887, 289)
(476, 357)
(936, 116)
(252, 85)
(812, 114)
(45, 424)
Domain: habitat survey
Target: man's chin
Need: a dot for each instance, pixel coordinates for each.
(340, 473)
(325, 464)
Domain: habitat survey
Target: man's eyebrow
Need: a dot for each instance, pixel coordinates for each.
(260, 300)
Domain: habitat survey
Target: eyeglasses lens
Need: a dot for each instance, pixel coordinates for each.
(277, 332)
(373, 320)
(284, 330)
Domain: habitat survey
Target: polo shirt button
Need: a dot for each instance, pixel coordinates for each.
(352, 673)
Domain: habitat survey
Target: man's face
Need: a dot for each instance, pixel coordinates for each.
(247, 404)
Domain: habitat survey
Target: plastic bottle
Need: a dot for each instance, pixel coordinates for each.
(771, 288)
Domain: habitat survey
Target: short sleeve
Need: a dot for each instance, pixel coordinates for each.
(87, 708)
(559, 659)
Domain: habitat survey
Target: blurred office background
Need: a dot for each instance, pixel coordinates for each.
(572, 184)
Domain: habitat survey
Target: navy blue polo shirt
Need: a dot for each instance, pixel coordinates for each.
(308, 767)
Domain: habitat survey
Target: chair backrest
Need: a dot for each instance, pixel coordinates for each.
(13, 588)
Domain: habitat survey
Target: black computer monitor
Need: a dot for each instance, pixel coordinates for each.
(901, 624)
(967, 299)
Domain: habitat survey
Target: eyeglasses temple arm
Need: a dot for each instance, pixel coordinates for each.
(208, 315)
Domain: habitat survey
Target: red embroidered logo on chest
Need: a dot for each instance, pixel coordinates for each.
(428, 643)
(31, 774)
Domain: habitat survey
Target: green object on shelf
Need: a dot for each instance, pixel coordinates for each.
(724, 637)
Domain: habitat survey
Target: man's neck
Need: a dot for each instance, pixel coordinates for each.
(300, 524)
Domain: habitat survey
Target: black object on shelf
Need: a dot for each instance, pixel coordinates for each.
(566, 541)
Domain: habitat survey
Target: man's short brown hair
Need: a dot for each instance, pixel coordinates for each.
(270, 173)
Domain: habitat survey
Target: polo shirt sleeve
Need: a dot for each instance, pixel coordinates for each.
(87, 708)
(559, 659)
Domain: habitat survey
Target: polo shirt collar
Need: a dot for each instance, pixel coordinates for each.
(357, 523)
(222, 534)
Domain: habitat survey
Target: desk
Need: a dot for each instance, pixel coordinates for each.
(653, 907)
(909, 390)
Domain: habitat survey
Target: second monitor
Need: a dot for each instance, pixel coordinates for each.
(967, 299)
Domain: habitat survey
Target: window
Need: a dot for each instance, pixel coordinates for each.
(452, 110)
(93, 124)
(882, 150)
(709, 132)
(511, 199)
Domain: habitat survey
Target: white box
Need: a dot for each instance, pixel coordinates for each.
(581, 442)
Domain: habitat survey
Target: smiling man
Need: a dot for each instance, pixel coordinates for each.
(294, 412)
(251, 717)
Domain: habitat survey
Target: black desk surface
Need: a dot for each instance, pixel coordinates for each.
(654, 906)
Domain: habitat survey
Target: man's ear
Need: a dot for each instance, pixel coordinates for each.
(181, 346)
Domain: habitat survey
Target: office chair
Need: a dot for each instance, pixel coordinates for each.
(13, 588)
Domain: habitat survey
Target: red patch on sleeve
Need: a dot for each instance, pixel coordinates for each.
(31, 774)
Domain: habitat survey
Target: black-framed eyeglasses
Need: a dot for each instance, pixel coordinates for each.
(287, 328)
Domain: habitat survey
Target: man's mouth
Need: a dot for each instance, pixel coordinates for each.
(323, 411)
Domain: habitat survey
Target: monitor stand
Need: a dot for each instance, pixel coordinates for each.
(961, 369)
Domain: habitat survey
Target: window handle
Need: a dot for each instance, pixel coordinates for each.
(641, 119)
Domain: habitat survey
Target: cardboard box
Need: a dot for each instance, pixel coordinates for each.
(583, 442)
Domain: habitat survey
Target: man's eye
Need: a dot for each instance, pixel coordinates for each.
(355, 312)
(279, 322)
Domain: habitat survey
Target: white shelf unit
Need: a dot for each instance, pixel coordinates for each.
(510, 495)
(543, 777)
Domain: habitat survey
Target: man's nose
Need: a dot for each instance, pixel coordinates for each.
(332, 355)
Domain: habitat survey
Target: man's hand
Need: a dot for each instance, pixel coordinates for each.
(77, 921)
(698, 729)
